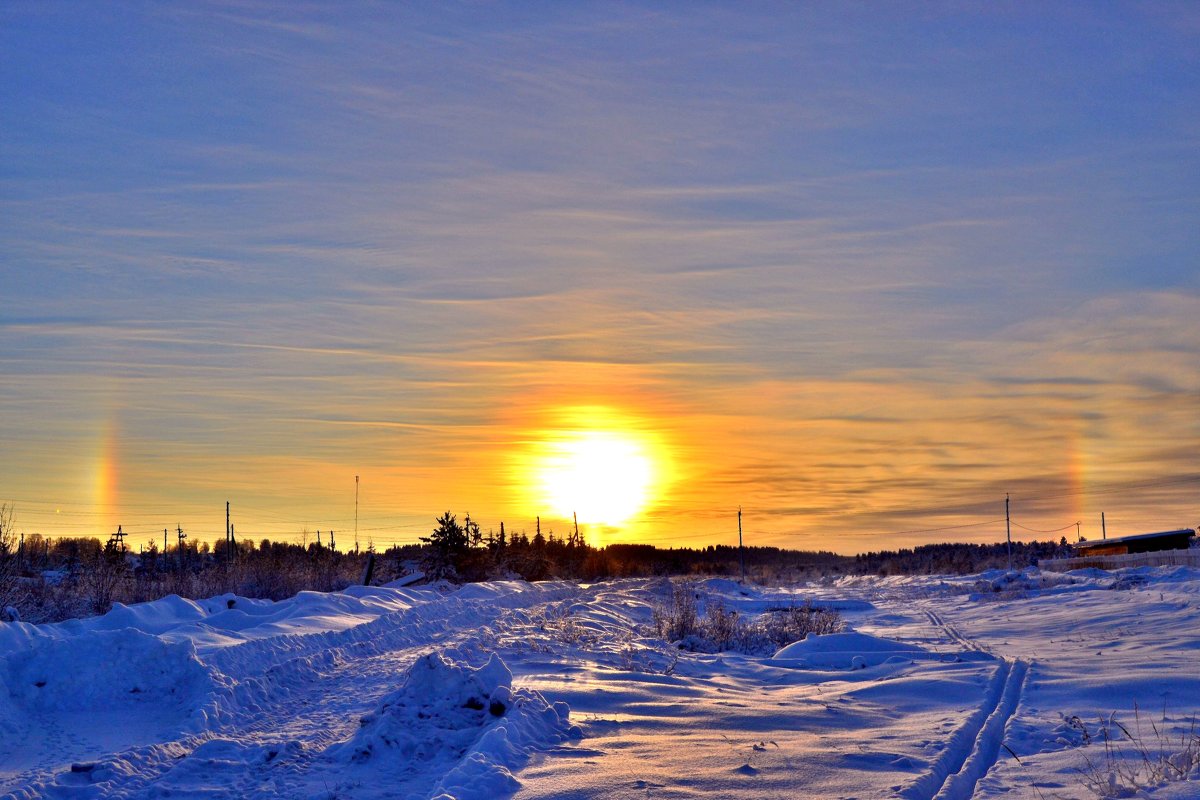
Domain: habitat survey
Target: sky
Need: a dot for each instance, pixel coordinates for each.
(861, 270)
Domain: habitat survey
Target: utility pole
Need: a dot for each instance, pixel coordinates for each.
(164, 541)
(1008, 531)
(741, 550)
(1103, 528)
(1078, 536)
(356, 513)
(227, 529)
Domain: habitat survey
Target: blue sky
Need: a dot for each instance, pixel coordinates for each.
(864, 269)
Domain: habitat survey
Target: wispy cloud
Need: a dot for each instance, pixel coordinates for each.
(858, 281)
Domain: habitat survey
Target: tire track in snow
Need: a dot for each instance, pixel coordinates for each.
(975, 746)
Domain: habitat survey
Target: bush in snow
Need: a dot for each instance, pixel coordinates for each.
(680, 619)
(107, 576)
(720, 628)
(1136, 761)
(782, 626)
(9, 589)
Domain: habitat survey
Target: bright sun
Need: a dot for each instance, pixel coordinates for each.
(601, 472)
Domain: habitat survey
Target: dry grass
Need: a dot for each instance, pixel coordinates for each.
(1137, 760)
(719, 628)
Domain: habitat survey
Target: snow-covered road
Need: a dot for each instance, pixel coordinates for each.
(979, 686)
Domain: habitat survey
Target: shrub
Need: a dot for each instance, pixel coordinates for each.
(1135, 761)
(722, 629)
(782, 626)
(9, 574)
(681, 618)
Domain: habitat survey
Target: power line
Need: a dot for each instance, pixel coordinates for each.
(947, 527)
(1036, 530)
(1119, 487)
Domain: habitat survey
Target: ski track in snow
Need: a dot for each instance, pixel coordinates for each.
(975, 746)
(952, 633)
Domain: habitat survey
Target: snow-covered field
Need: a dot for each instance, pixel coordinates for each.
(1031, 685)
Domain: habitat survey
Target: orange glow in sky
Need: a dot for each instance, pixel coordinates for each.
(595, 466)
(643, 268)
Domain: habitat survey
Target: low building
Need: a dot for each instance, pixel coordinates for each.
(1140, 543)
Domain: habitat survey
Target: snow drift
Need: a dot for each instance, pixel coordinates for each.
(849, 649)
(106, 669)
(446, 710)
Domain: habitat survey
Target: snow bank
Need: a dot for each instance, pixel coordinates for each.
(107, 669)
(464, 722)
(157, 616)
(8, 714)
(850, 649)
(17, 636)
(228, 619)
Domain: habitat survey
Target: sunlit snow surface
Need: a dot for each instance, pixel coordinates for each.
(979, 686)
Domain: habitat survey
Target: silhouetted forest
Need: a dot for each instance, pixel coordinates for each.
(956, 558)
(47, 579)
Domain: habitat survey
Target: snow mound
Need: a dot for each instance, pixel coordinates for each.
(107, 669)
(465, 722)
(158, 616)
(725, 586)
(850, 649)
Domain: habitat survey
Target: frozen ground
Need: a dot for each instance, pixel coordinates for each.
(1041, 686)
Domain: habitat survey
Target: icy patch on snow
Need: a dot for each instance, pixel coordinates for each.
(851, 649)
(107, 669)
(468, 719)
